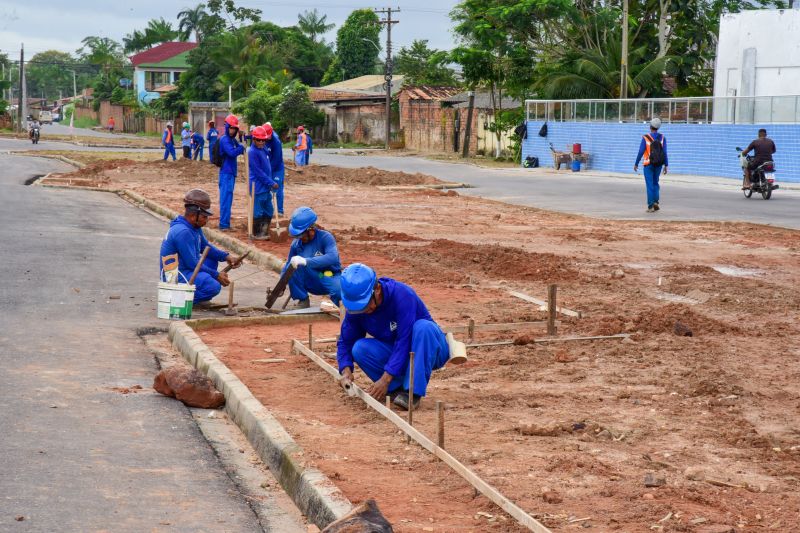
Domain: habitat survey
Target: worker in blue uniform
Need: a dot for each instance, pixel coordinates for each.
(275, 149)
(229, 150)
(185, 237)
(168, 142)
(211, 137)
(261, 182)
(315, 256)
(197, 145)
(399, 323)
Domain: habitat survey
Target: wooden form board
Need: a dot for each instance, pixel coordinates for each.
(531, 299)
(471, 477)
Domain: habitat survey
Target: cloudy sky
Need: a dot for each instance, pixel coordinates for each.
(61, 25)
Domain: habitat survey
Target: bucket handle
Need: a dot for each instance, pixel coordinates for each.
(161, 276)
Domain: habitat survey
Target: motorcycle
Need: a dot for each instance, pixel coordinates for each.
(762, 178)
(34, 134)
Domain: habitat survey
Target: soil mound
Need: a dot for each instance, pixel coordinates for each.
(358, 176)
(663, 319)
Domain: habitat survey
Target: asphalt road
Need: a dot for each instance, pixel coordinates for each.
(683, 197)
(15, 145)
(79, 279)
(58, 128)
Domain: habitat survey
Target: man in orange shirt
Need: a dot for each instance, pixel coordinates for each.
(301, 147)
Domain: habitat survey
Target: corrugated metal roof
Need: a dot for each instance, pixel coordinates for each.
(363, 83)
(429, 92)
(161, 53)
(326, 95)
(483, 100)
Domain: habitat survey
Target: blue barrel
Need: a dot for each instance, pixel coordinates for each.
(576, 165)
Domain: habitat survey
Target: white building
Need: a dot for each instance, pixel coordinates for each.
(758, 56)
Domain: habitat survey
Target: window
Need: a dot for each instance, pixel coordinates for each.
(154, 80)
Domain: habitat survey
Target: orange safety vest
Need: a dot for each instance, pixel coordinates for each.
(168, 139)
(647, 140)
(301, 139)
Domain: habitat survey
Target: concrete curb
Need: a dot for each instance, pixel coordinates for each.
(313, 493)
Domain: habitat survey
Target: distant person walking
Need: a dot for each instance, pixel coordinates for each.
(111, 124)
(300, 147)
(186, 140)
(653, 153)
(168, 142)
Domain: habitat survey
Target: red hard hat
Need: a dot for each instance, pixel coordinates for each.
(232, 121)
(260, 134)
(268, 130)
(300, 128)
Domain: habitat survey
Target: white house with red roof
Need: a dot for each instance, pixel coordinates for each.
(159, 68)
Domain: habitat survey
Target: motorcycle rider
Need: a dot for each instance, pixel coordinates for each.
(763, 147)
(33, 124)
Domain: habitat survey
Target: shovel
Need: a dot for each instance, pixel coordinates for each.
(277, 234)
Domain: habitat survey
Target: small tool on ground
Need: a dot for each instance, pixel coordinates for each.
(237, 262)
(274, 293)
(277, 234)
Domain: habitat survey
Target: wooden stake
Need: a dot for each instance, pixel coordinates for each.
(551, 309)
(410, 391)
(311, 337)
(230, 311)
(470, 330)
(440, 423)
(199, 265)
(531, 299)
(388, 402)
(251, 200)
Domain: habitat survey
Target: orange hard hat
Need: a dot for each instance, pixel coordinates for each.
(232, 121)
(260, 134)
(268, 129)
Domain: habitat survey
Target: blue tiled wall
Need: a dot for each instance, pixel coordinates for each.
(700, 149)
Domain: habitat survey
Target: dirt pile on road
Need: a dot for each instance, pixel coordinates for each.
(369, 176)
(663, 319)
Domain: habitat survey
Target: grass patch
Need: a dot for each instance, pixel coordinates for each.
(85, 122)
(145, 134)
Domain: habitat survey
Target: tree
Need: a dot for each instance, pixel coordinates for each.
(160, 31)
(313, 25)
(357, 47)
(424, 66)
(297, 108)
(261, 104)
(106, 55)
(201, 82)
(227, 10)
(191, 21)
(47, 74)
(134, 42)
(242, 62)
(294, 51)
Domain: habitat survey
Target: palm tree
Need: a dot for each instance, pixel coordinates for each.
(241, 60)
(313, 25)
(191, 20)
(134, 42)
(160, 31)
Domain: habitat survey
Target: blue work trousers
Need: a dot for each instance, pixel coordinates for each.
(430, 353)
(651, 175)
(198, 153)
(206, 287)
(262, 205)
(169, 150)
(305, 281)
(226, 184)
(279, 178)
(300, 158)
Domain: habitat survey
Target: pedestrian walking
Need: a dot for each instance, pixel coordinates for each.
(300, 147)
(653, 153)
(111, 124)
(168, 142)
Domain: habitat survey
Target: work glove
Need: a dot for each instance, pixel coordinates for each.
(298, 261)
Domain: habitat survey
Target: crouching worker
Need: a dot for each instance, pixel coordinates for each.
(315, 256)
(262, 183)
(397, 319)
(185, 238)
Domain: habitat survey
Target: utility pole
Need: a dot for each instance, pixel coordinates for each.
(388, 73)
(468, 132)
(21, 93)
(623, 70)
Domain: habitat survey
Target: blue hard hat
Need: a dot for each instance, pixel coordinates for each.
(302, 219)
(358, 281)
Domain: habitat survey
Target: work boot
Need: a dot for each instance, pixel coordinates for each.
(260, 229)
(303, 304)
(401, 401)
(655, 207)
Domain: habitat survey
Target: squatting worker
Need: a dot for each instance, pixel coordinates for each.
(260, 180)
(168, 142)
(764, 148)
(653, 149)
(315, 256)
(185, 237)
(399, 323)
(275, 150)
(229, 150)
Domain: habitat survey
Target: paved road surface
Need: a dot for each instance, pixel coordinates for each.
(16, 145)
(682, 197)
(59, 128)
(76, 455)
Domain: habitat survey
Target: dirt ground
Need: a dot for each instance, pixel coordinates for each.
(566, 430)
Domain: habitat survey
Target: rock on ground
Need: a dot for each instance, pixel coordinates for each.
(189, 386)
(364, 518)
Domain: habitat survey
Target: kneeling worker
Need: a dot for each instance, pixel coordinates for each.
(397, 319)
(185, 237)
(315, 256)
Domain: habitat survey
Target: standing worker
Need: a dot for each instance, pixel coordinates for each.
(399, 323)
(168, 142)
(275, 150)
(186, 140)
(315, 256)
(229, 150)
(197, 145)
(309, 147)
(211, 137)
(300, 147)
(654, 150)
(260, 180)
(185, 238)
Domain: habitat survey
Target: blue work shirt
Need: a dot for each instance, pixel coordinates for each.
(189, 242)
(212, 136)
(643, 146)
(186, 138)
(260, 171)
(197, 139)
(392, 322)
(275, 148)
(229, 150)
(321, 253)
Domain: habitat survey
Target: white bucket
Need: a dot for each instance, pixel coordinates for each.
(175, 300)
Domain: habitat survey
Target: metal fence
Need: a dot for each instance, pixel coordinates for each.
(696, 110)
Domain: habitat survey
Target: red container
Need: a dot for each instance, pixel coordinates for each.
(576, 148)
